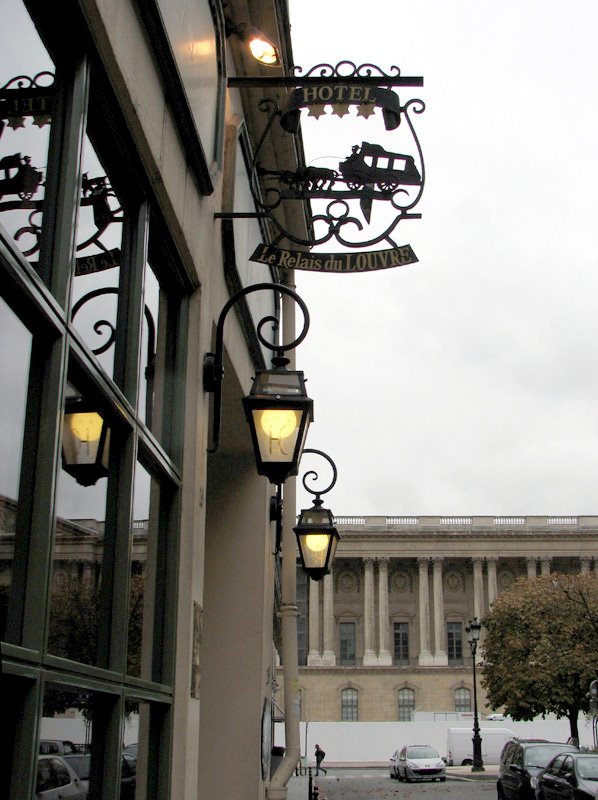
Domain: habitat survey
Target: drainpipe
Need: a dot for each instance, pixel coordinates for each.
(277, 789)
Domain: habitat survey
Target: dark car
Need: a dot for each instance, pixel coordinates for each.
(569, 776)
(520, 763)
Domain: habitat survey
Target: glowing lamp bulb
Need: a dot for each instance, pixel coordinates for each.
(279, 423)
(87, 427)
(317, 542)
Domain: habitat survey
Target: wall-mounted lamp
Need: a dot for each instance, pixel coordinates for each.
(277, 408)
(261, 47)
(317, 536)
(85, 442)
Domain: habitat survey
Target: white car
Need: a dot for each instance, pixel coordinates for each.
(420, 762)
(496, 717)
(57, 781)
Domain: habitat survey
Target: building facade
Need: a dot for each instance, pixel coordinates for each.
(385, 631)
(121, 143)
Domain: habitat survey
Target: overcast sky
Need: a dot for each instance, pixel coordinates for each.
(467, 383)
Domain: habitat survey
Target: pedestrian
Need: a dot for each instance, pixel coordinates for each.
(320, 755)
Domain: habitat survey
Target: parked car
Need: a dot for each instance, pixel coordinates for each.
(496, 717)
(393, 764)
(420, 762)
(56, 747)
(569, 776)
(57, 781)
(81, 763)
(520, 763)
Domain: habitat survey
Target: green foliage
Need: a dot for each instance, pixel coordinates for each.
(541, 647)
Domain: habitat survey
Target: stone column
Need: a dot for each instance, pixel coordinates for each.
(328, 656)
(532, 564)
(584, 564)
(545, 565)
(314, 656)
(478, 588)
(440, 656)
(425, 656)
(384, 657)
(369, 656)
(492, 584)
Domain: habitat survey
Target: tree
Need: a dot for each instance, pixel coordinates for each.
(541, 647)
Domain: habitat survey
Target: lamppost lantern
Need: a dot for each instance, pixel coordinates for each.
(278, 412)
(317, 536)
(278, 409)
(85, 442)
(473, 630)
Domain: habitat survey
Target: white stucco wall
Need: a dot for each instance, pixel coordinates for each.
(374, 742)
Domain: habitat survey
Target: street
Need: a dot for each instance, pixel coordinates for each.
(354, 784)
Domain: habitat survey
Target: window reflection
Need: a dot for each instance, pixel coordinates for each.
(77, 568)
(26, 80)
(15, 354)
(97, 268)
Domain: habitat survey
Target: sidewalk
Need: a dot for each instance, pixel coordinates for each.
(298, 785)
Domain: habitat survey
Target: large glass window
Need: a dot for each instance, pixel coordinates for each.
(454, 635)
(401, 643)
(26, 102)
(349, 705)
(406, 699)
(15, 351)
(462, 699)
(347, 644)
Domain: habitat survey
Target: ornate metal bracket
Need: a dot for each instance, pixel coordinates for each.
(313, 475)
(213, 370)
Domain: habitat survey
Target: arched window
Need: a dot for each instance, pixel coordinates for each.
(406, 704)
(462, 699)
(349, 698)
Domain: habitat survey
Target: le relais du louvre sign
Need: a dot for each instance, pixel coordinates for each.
(386, 175)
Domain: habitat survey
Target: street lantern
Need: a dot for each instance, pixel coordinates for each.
(473, 630)
(85, 442)
(317, 536)
(260, 46)
(277, 408)
(278, 412)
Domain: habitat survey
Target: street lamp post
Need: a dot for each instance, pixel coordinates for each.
(473, 629)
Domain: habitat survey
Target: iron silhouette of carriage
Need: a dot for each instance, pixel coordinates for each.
(373, 165)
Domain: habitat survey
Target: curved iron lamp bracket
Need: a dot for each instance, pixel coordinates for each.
(313, 475)
(213, 369)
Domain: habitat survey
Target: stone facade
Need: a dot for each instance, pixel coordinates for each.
(389, 623)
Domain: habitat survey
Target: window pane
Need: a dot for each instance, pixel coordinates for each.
(144, 565)
(15, 352)
(454, 643)
(77, 562)
(462, 699)
(401, 643)
(349, 709)
(347, 643)
(406, 704)
(97, 269)
(26, 73)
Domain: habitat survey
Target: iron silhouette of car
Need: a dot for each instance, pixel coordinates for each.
(569, 776)
(420, 762)
(520, 763)
(56, 780)
(393, 763)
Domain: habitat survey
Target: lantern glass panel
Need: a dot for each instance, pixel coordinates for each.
(276, 432)
(81, 437)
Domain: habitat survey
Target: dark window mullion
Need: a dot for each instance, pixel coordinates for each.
(63, 184)
(131, 303)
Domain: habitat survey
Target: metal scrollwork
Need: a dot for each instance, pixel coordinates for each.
(313, 476)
